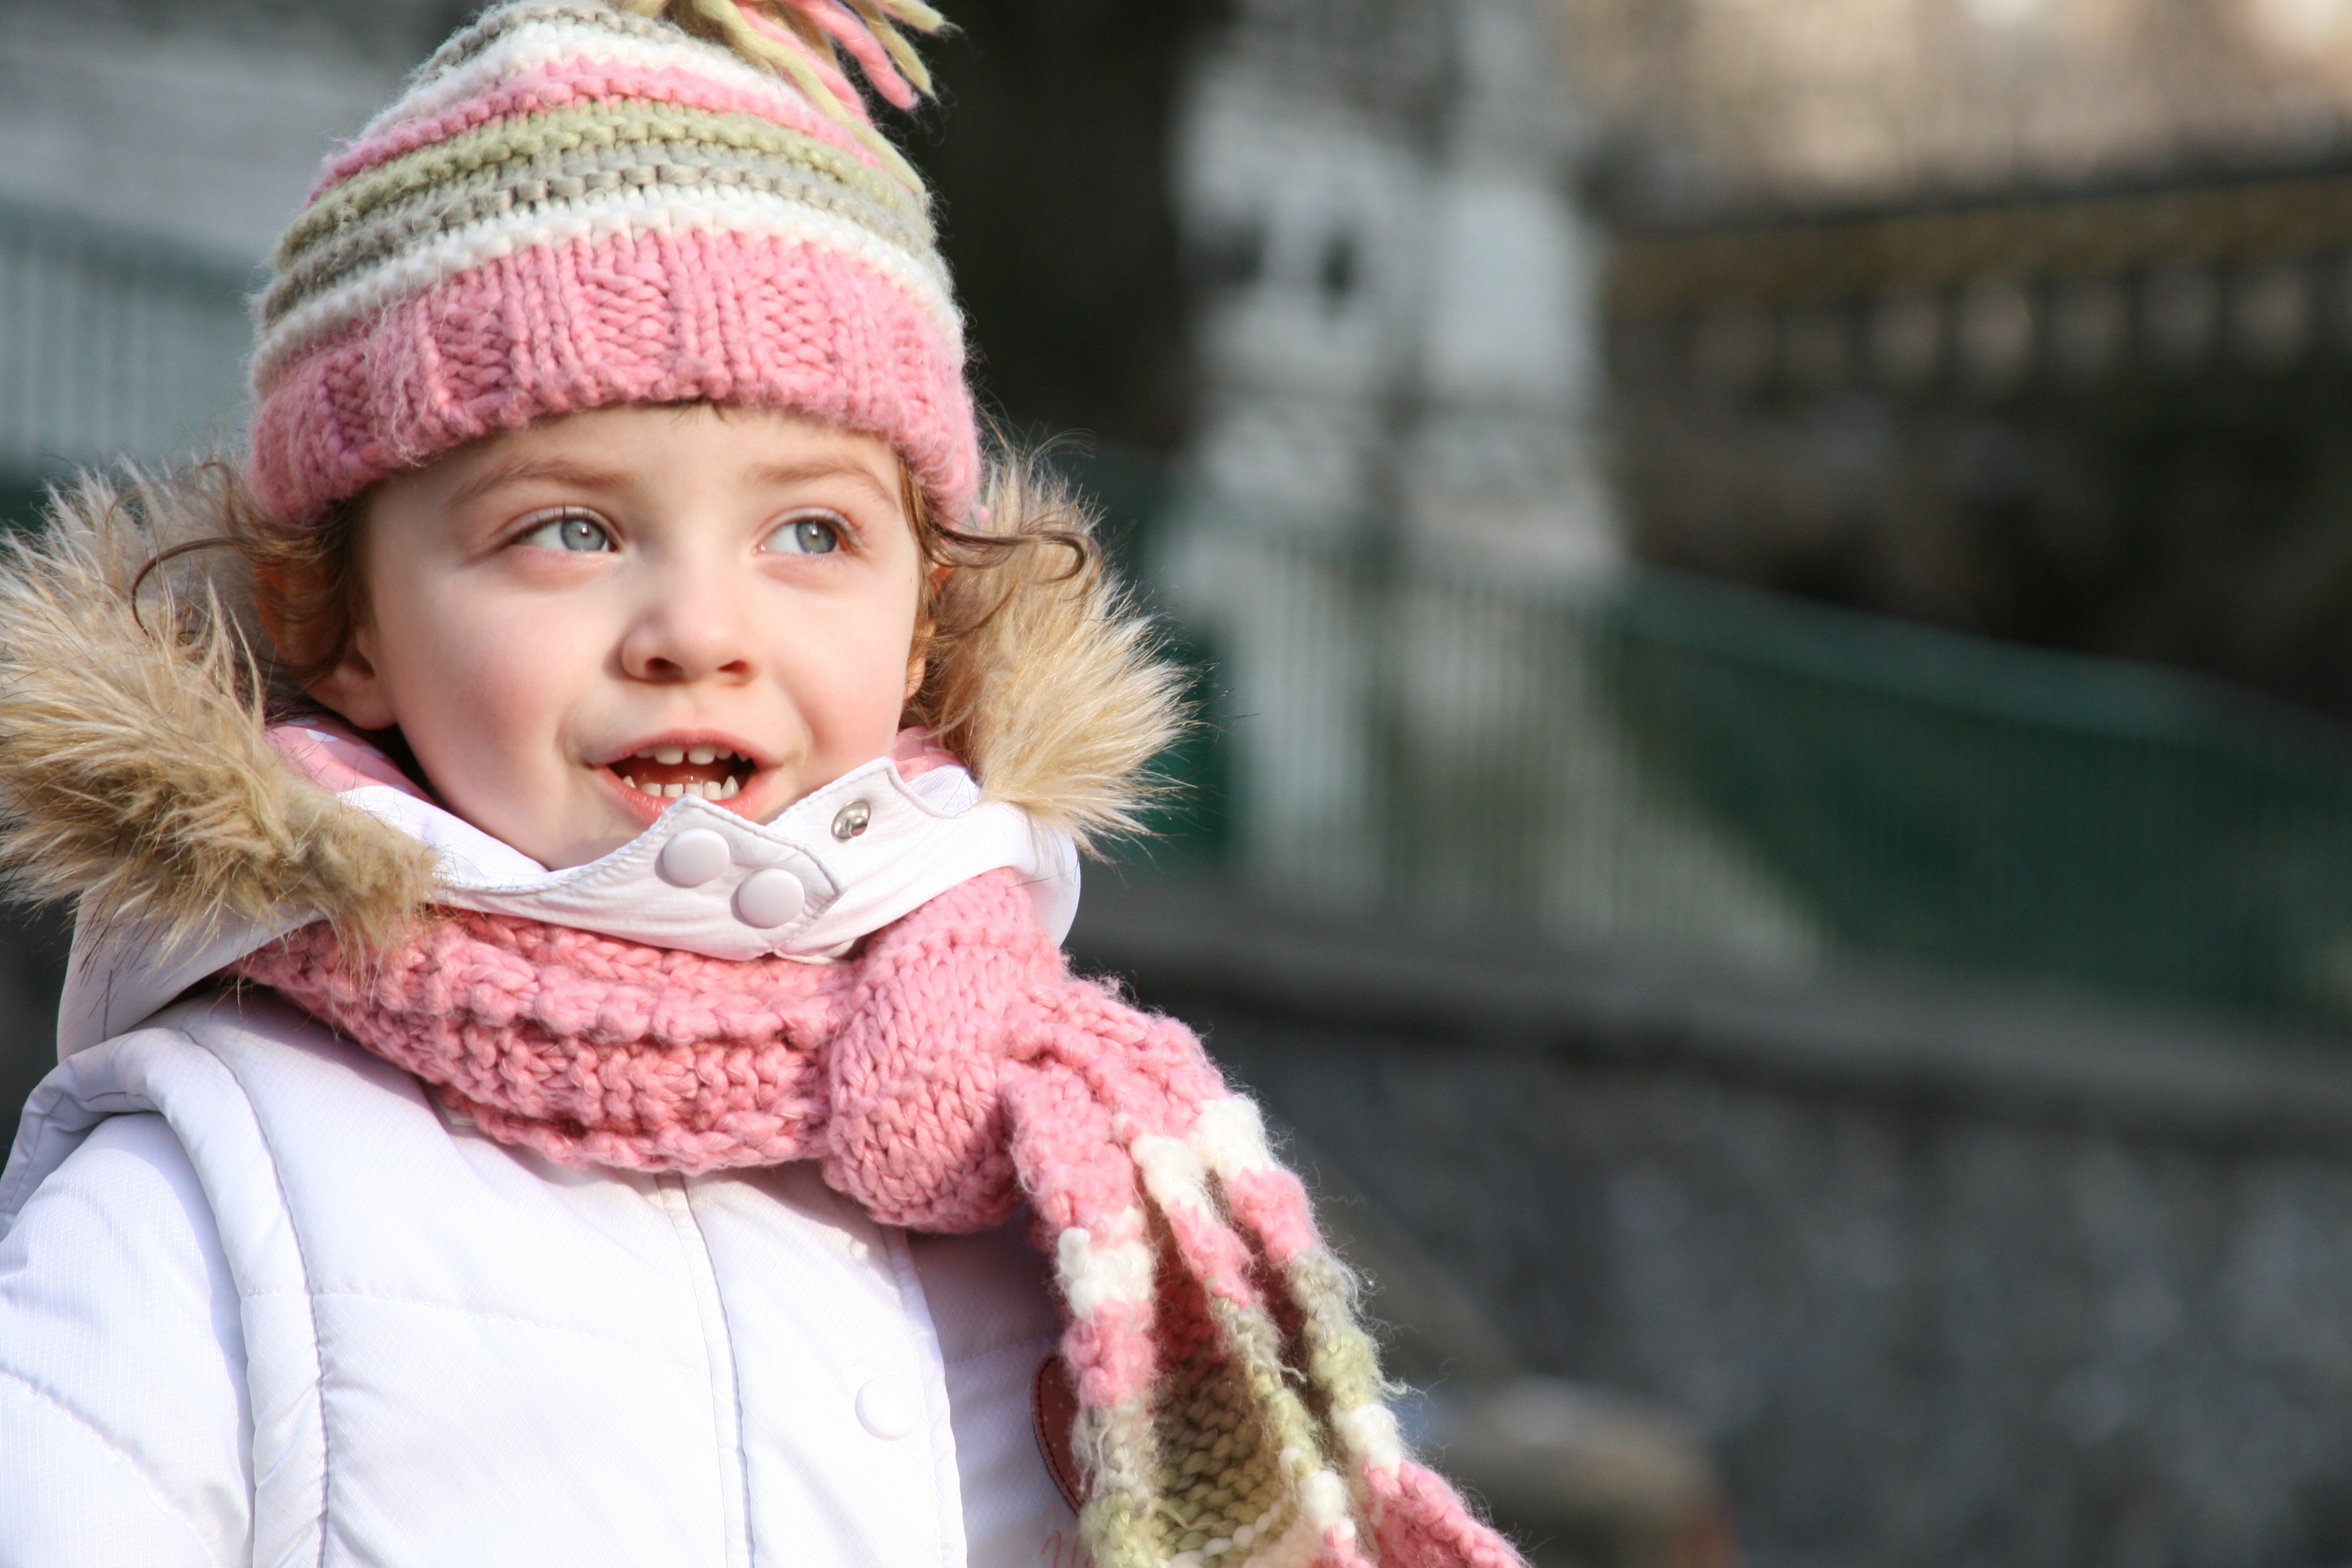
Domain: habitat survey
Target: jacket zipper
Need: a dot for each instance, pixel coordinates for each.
(718, 1355)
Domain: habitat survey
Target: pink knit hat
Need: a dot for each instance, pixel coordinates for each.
(581, 202)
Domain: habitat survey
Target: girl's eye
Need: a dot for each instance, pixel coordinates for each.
(804, 536)
(569, 533)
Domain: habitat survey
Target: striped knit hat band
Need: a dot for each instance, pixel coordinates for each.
(574, 206)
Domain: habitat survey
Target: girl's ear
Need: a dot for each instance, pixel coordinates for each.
(919, 657)
(354, 687)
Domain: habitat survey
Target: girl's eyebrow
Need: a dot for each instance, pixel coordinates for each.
(567, 471)
(522, 470)
(826, 468)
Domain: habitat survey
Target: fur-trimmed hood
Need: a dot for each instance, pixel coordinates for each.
(138, 776)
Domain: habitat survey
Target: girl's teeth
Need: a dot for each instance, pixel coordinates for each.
(701, 756)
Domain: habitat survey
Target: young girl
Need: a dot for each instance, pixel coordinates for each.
(567, 1056)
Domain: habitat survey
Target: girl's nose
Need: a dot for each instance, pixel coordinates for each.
(691, 626)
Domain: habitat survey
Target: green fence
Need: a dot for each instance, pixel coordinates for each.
(1947, 802)
(1688, 764)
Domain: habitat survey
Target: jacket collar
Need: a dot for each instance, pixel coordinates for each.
(838, 865)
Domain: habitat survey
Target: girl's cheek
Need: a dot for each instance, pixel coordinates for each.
(480, 681)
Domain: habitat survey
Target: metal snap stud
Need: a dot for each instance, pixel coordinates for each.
(851, 820)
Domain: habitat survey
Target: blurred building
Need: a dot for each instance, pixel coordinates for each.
(153, 153)
(1715, 104)
(1395, 475)
(1396, 331)
(1817, 1020)
(2031, 318)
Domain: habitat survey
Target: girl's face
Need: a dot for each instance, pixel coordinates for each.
(574, 623)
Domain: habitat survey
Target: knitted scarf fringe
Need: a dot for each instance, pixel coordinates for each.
(1231, 1409)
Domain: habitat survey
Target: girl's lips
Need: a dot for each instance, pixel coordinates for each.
(674, 766)
(646, 808)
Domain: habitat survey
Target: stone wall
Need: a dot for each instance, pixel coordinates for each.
(1944, 1279)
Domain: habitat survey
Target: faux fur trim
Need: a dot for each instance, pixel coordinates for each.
(135, 775)
(134, 772)
(1062, 698)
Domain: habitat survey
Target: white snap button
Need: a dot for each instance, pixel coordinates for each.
(693, 857)
(888, 1408)
(770, 898)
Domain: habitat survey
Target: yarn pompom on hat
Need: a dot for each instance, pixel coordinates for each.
(578, 203)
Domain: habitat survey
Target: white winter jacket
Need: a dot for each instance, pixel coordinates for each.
(262, 1300)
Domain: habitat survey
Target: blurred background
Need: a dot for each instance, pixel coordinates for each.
(1772, 588)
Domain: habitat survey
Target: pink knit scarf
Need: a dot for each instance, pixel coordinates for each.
(1229, 1403)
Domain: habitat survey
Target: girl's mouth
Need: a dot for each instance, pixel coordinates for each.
(668, 773)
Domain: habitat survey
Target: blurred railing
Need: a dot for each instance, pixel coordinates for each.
(1687, 765)
(113, 344)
